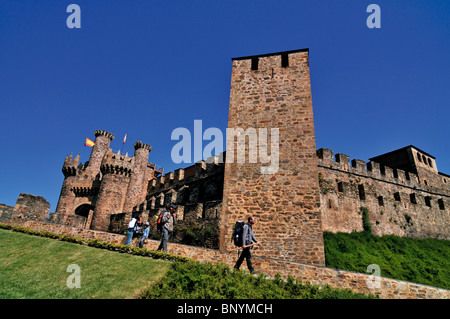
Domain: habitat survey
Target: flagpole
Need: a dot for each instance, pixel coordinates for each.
(124, 140)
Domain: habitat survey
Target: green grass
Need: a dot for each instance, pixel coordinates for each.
(193, 280)
(33, 267)
(424, 261)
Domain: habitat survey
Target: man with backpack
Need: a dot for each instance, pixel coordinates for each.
(132, 226)
(165, 223)
(248, 238)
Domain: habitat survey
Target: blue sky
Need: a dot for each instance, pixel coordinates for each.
(148, 67)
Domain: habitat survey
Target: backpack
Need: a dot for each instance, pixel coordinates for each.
(159, 223)
(237, 233)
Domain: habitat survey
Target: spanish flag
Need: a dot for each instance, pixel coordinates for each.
(89, 143)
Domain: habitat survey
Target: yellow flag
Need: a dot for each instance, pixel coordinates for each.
(89, 143)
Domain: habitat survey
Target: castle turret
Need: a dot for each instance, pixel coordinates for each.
(137, 188)
(67, 197)
(102, 142)
(116, 170)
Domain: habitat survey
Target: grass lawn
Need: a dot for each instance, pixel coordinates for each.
(423, 261)
(33, 267)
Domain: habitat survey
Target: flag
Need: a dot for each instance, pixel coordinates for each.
(89, 143)
(125, 138)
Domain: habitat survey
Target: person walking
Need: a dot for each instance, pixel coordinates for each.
(168, 220)
(248, 238)
(131, 229)
(144, 235)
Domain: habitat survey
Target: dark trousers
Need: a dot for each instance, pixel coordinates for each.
(164, 239)
(141, 241)
(248, 256)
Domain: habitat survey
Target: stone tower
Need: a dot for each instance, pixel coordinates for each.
(102, 142)
(116, 172)
(142, 173)
(67, 196)
(273, 91)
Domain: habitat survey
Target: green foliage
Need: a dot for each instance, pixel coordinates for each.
(99, 244)
(423, 261)
(194, 280)
(367, 225)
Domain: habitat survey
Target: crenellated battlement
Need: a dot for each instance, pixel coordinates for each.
(139, 145)
(109, 135)
(397, 201)
(70, 165)
(116, 163)
(199, 170)
(85, 187)
(374, 170)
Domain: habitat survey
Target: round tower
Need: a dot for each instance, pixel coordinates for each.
(137, 188)
(102, 142)
(67, 196)
(116, 170)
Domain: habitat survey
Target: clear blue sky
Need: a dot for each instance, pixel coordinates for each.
(148, 67)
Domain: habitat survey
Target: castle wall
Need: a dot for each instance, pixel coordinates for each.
(196, 190)
(31, 207)
(6, 212)
(267, 94)
(398, 202)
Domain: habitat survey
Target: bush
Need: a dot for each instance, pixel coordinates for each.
(423, 261)
(99, 244)
(194, 280)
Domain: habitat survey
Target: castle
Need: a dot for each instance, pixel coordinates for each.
(400, 192)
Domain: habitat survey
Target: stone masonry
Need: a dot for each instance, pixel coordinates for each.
(108, 184)
(401, 199)
(273, 91)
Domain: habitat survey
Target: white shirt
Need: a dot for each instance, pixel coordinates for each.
(132, 223)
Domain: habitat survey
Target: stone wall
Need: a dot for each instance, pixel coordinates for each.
(31, 207)
(386, 288)
(6, 212)
(397, 201)
(196, 190)
(271, 94)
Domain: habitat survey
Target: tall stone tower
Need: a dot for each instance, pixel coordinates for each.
(67, 196)
(273, 91)
(102, 141)
(116, 171)
(142, 172)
